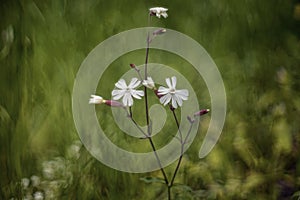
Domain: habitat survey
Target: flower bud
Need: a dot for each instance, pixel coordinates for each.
(113, 103)
(201, 112)
(132, 65)
(191, 120)
(159, 31)
(149, 83)
(96, 100)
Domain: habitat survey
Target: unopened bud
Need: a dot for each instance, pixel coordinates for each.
(201, 112)
(159, 31)
(132, 65)
(149, 83)
(191, 120)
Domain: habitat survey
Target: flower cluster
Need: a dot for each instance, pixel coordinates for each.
(126, 92)
(159, 11)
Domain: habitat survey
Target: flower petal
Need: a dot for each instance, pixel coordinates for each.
(134, 83)
(168, 83)
(165, 99)
(183, 94)
(174, 104)
(137, 93)
(162, 90)
(117, 94)
(121, 84)
(174, 82)
(178, 100)
(127, 99)
(164, 14)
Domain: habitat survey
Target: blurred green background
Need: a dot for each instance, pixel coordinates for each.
(256, 46)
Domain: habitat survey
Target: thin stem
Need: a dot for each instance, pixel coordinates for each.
(177, 167)
(135, 123)
(145, 88)
(181, 149)
(188, 134)
(177, 124)
(147, 114)
(158, 160)
(139, 74)
(169, 192)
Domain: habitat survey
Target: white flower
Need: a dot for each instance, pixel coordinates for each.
(158, 11)
(171, 93)
(25, 182)
(127, 92)
(149, 83)
(35, 180)
(96, 99)
(38, 196)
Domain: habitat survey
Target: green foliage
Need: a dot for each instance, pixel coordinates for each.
(255, 45)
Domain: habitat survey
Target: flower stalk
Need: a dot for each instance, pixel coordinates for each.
(169, 95)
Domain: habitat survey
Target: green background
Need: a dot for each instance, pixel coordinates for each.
(255, 45)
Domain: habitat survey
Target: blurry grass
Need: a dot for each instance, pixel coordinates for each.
(255, 45)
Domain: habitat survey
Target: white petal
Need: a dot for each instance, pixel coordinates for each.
(127, 99)
(121, 84)
(95, 96)
(134, 83)
(178, 100)
(165, 99)
(162, 90)
(183, 94)
(164, 14)
(174, 104)
(168, 83)
(149, 82)
(137, 94)
(150, 79)
(174, 82)
(117, 94)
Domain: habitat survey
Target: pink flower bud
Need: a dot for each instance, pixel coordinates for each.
(113, 103)
(201, 112)
(132, 65)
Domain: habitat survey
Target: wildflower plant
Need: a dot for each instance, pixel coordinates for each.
(126, 92)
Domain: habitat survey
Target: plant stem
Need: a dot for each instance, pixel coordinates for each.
(135, 123)
(145, 88)
(169, 192)
(177, 124)
(177, 167)
(158, 160)
(147, 115)
(182, 142)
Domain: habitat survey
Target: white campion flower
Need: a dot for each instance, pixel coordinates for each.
(38, 195)
(158, 11)
(149, 83)
(171, 94)
(127, 92)
(96, 99)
